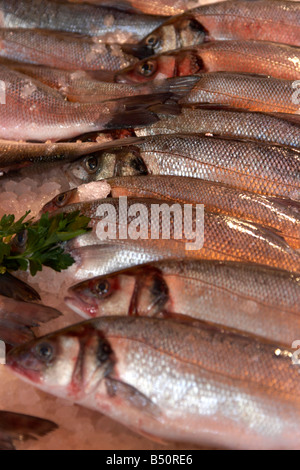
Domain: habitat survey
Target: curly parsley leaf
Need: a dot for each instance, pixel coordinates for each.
(27, 244)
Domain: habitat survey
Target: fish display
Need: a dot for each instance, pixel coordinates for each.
(258, 57)
(16, 319)
(260, 301)
(18, 427)
(82, 19)
(150, 183)
(263, 20)
(172, 380)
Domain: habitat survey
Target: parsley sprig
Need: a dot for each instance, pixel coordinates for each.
(28, 244)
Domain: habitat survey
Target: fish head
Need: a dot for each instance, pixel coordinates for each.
(173, 64)
(69, 363)
(107, 164)
(102, 296)
(134, 292)
(179, 32)
(59, 201)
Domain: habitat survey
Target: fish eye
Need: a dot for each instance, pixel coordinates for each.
(21, 238)
(44, 352)
(102, 288)
(148, 68)
(104, 352)
(151, 41)
(61, 199)
(91, 164)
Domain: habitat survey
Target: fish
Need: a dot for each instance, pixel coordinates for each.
(282, 215)
(249, 298)
(17, 318)
(14, 288)
(258, 57)
(200, 235)
(63, 50)
(245, 91)
(46, 115)
(84, 87)
(164, 8)
(233, 124)
(176, 381)
(263, 20)
(20, 427)
(248, 166)
(111, 25)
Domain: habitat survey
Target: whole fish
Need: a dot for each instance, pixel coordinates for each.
(248, 166)
(267, 58)
(16, 319)
(155, 7)
(263, 20)
(226, 123)
(283, 215)
(206, 236)
(18, 427)
(170, 380)
(62, 50)
(84, 87)
(250, 92)
(11, 286)
(264, 302)
(84, 19)
(36, 112)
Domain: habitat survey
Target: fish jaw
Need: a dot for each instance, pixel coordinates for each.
(69, 364)
(84, 309)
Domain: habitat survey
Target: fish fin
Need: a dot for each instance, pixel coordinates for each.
(14, 288)
(132, 119)
(14, 426)
(178, 86)
(286, 202)
(132, 397)
(292, 118)
(166, 109)
(137, 111)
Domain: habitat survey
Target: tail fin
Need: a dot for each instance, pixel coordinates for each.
(137, 111)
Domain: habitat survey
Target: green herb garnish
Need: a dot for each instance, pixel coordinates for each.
(28, 244)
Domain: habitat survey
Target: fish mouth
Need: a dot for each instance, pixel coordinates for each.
(16, 366)
(85, 310)
(138, 50)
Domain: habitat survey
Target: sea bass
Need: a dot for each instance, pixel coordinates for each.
(282, 215)
(111, 25)
(16, 319)
(84, 87)
(225, 123)
(178, 234)
(36, 112)
(248, 166)
(266, 58)
(171, 380)
(250, 92)
(263, 20)
(62, 50)
(264, 302)
(18, 427)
